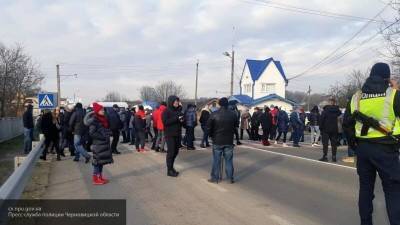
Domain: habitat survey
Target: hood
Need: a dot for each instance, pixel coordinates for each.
(171, 100)
(89, 118)
(162, 108)
(375, 84)
(332, 109)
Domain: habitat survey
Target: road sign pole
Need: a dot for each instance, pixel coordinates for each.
(58, 86)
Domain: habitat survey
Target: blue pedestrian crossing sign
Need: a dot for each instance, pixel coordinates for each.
(47, 100)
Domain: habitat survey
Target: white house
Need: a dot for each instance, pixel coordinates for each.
(263, 83)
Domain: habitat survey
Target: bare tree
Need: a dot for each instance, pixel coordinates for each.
(114, 96)
(343, 92)
(148, 93)
(391, 34)
(20, 78)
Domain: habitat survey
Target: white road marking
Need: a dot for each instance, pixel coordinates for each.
(219, 188)
(297, 157)
(280, 220)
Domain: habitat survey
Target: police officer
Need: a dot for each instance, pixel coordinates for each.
(376, 152)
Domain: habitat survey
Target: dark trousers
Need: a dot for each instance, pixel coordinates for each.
(139, 138)
(124, 136)
(254, 134)
(189, 137)
(155, 137)
(114, 143)
(241, 133)
(375, 158)
(279, 136)
(173, 144)
(148, 133)
(237, 134)
(272, 134)
(133, 135)
(332, 137)
(265, 135)
(49, 139)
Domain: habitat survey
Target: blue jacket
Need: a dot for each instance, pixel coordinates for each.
(295, 121)
(190, 118)
(283, 121)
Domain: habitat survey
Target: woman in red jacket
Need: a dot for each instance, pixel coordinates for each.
(160, 128)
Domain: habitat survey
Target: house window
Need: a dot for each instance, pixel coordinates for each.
(268, 88)
(247, 88)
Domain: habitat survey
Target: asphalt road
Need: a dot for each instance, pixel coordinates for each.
(274, 185)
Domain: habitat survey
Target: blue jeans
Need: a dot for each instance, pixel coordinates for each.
(97, 169)
(79, 149)
(28, 137)
(205, 135)
(227, 152)
(296, 135)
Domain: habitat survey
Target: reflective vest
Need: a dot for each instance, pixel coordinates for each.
(379, 107)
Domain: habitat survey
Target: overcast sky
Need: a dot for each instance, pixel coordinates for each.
(121, 45)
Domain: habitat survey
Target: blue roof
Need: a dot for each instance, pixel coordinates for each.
(257, 67)
(270, 97)
(242, 99)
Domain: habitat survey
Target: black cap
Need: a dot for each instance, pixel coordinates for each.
(115, 106)
(380, 70)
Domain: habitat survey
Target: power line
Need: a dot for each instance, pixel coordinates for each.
(302, 10)
(323, 61)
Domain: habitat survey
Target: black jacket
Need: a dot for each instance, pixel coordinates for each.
(28, 118)
(49, 129)
(114, 120)
(255, 119)
(329, 119)
(266, 121)
(170, 118)
(314, 118)
(373, 85)
(221, 126)
(76, 122)
(101, 140)
(204, 116)
(139, 123)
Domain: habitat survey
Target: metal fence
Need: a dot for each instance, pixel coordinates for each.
(10, 127)
(15, 184)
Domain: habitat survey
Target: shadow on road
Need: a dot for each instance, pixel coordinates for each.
(257, 166)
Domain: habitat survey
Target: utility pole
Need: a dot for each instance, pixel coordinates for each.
(232, 69)
(197, 77)
(309, 96)
(58, 86)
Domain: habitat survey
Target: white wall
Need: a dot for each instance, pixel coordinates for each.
(270, 75)
(246, 79)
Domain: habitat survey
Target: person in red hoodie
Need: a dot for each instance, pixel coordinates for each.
(155, 116)
(140, 129)
(101, 147)
(160, 128)
(274, 114)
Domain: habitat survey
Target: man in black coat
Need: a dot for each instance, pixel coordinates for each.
(204, 116)
(255, 124)
(115, 126)
(329, 129)
(28, 128)
(78, 129)
(173, 120)
(221, 127)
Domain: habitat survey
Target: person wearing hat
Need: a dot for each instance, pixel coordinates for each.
(115, 126)
(221, 128)
(376, 152)
(100, 133)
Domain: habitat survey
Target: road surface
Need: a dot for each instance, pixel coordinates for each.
(274, 185)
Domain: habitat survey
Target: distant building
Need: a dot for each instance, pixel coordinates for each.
(263, 83)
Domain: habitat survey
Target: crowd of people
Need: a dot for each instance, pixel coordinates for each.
(370, 126)
(98, 130)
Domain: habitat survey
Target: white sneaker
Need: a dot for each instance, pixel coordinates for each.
(313, 145)
(284, 145)
(276, 142)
